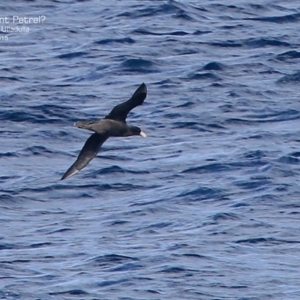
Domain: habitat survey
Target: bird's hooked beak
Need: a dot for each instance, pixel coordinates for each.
(143, 134)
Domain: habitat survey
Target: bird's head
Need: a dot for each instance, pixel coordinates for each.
(137, 131)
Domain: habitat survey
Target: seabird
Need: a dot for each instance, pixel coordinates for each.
(114, 124)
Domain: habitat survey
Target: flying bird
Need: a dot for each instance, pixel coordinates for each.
(114, 124)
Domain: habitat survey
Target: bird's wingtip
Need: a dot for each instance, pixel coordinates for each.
(72, 171)
(142, 89)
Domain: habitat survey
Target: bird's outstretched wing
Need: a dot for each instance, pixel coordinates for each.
(120, 112)
(88, 152)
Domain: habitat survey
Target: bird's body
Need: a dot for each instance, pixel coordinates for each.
(113, 125)
(106, 126)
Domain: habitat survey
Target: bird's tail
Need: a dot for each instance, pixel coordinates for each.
(83, 124)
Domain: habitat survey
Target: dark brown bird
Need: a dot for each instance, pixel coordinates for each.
(114, 124)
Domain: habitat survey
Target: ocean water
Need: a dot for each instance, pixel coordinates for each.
(207, 206)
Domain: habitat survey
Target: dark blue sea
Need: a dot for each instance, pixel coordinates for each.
(207, 206)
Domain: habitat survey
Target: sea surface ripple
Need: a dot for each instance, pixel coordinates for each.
(207, 206)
